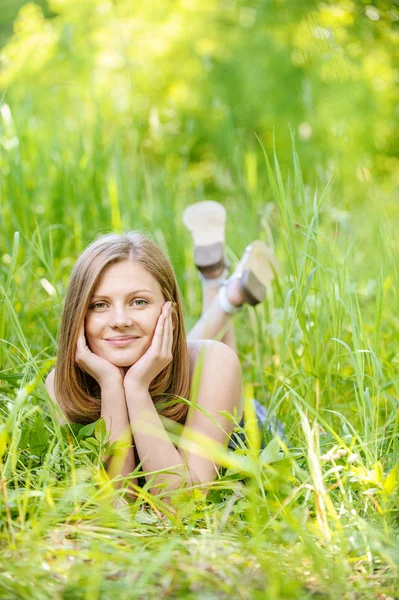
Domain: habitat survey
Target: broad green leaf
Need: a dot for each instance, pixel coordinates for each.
(391, 481)
(38, 437)
(91, 444)
(272, 453)
(76, 427)
(3, 441)
(118, 448)
(86, 431)
(100, 430)
(24, 438)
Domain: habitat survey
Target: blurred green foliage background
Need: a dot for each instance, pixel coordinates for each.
(185, 82)
(8, 13)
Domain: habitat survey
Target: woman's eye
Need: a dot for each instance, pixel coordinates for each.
(141, 302)
(98, 305)
(101, 305)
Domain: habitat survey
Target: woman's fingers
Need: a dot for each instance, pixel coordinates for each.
(159, 331)
(81, 346)
(163, 336)
(167, 340)
(160, 353)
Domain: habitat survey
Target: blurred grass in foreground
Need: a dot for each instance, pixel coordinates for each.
(313, 518)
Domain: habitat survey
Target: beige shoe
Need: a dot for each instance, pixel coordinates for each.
(206, 222)
(255, 271)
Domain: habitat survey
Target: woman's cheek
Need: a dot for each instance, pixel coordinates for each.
(153, 320)
(92, 328)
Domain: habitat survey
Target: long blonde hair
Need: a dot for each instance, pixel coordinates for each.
(77, 393)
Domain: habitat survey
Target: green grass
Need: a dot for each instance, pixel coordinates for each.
(319, 520)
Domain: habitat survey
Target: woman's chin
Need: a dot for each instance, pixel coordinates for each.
(123, 361)
(123, 357)
(126, 364)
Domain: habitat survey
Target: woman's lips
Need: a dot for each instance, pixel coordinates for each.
(122, 341)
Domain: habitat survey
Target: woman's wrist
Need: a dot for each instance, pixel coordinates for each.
(135, 386)
(111, 383)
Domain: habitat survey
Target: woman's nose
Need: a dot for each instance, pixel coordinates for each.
(121, 318)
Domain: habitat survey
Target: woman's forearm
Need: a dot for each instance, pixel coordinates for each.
(116, 417)
(153, 444)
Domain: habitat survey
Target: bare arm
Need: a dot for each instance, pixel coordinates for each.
(113, 404)
(154, 447)
(115, 415)
(220, 390)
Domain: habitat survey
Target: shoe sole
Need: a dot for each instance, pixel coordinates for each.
(206, 222)
(258, 268)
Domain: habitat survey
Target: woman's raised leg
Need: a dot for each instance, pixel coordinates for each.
(215, 323)
(248, 283)
(206, 223)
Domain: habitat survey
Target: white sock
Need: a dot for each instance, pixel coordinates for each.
(225, 303)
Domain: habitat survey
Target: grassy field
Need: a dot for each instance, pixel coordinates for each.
(312, 516)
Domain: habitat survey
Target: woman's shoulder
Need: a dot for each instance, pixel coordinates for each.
(211, 349)
(49, 383)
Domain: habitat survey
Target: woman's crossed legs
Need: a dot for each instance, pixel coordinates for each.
(214, 321)
(221, 299)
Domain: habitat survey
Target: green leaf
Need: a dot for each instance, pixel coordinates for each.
(3, 441)
(76, 427)
(24, 439)
(145, 517)
(379, 472)
(118, 448)
(272, 453)
(100, 430)
(391, 481)
(86, 431)
(38, 437)
(91, 444)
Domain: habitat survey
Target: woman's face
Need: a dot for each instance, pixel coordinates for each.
(123, 313)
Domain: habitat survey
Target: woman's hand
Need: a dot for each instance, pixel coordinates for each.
(158, 355)
(101, 369)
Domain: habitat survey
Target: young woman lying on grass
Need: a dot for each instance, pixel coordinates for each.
(123, 346)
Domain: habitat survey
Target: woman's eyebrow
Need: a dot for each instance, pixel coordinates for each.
(128, 294)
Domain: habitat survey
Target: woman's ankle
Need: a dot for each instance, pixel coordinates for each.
(218, 277)
(231, 297)
(234, 292)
